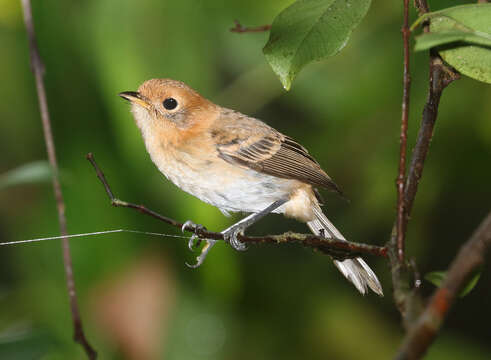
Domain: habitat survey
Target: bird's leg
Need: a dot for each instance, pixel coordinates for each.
(230, 234)
(191, 244)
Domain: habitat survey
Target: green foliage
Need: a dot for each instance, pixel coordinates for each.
(310, 30)
(438, 277)
(34, 172)
(463, 34)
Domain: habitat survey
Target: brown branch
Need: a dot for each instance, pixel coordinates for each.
(469, 258)
(405, 294)
(238, 28)
(440, 77)
(37, 68)
(331, 246)
(421, 6)
(400, 220)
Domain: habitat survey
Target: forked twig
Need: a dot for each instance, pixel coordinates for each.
(440, 77)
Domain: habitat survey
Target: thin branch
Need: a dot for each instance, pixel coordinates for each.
(37, 68)
(406, 297)
(331, 246)
(421, 6)
(470, 257)
(440, 77)
(400, 222)
(238, 28)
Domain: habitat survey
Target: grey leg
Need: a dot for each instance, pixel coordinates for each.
(230, 234)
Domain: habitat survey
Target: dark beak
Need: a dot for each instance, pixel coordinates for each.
(135, 98)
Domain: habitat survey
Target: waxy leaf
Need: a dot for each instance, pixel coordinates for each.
(310, 30)
(437, 278)
(464, 36)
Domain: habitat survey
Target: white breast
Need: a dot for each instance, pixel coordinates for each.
(228, 187)
(211, 179)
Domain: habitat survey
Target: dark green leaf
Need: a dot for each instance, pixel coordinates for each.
(310, 30)
(34, 172)
(438, 277)
(471, 283)
(465, 34)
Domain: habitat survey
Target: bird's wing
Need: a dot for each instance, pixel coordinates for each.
(248, 142)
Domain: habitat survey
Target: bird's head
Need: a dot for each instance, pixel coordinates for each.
(165, 104)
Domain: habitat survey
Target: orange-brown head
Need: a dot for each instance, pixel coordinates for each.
(170, 108)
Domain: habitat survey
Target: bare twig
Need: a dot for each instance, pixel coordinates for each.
(440, 77)
(421, 6)
(238, 28)
(469, 258)
(400, 222)
(405, 295)
(38, 71)
(331, 246)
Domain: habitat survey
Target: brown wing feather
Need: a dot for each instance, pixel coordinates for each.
(251, 143)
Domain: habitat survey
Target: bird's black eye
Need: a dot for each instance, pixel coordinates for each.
(170, 103)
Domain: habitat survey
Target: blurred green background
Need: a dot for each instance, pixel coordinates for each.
(138, 299)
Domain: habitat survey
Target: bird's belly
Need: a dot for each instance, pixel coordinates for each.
(228, 187)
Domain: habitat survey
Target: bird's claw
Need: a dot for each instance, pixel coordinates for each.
(199, 259)
(192, 244)
(230, 235)
(195, 241)
(191, 226)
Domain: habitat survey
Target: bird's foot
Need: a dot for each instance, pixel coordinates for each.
(195, 241)
(201, 258)
(230, 235)
(191, 226)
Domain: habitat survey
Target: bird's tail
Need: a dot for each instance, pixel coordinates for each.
(355, 270)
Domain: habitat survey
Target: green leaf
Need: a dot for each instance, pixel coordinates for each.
(464, 36)
(429, 40)
(310, 30)
(438, 277)
(34, 172)
(471, 283)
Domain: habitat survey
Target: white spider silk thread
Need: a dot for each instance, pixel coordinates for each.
(92, 234)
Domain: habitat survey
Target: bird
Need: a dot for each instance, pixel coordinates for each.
(236, 163)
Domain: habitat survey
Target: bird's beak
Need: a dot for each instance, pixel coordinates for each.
(135, 98)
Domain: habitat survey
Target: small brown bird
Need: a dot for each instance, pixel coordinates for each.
(236, 163)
